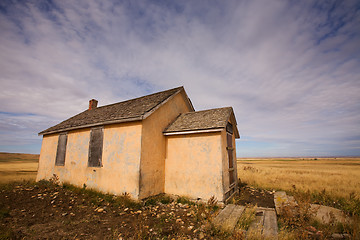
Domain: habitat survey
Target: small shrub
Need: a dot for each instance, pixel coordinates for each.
(297, 216)
(212, 201)
(54, 179)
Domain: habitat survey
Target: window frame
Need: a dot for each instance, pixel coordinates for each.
(61, 149)
(97, 150)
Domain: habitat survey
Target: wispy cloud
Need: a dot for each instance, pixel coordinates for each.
(291, 70)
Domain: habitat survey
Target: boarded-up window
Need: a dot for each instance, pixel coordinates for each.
(229, 128)
(230, 150)
(95, 147)
(61, 150)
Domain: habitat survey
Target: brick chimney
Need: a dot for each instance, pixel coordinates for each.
(93, 104)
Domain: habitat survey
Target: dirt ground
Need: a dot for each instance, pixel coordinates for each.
(47, 211)
(43, 212)
(249, 195)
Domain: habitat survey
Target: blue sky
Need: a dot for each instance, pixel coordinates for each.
(290, 69)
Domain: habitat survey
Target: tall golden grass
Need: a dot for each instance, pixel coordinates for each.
(339, 177)
(17, 167)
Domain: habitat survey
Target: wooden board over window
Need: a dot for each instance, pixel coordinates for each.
(229, 128)
(95, 147)
(230, 150)
(61, 150)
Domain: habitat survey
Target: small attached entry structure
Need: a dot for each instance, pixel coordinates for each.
(200, 154)
(145, 146)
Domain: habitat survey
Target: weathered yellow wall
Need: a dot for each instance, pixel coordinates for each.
(76, 158)
(120, 159)
(153, 149)
(47, 157)
(194, 165)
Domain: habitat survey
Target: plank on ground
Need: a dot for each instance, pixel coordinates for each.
(233, 218)
(224, 214)
(270, 223)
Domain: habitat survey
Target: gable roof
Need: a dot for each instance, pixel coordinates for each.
(126, 111)
(203, 121)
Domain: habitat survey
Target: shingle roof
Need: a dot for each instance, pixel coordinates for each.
(201, 120)
(129, 110)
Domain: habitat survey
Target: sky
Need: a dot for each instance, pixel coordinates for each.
(290, 69)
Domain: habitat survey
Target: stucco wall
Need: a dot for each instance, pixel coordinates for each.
(120, 159)
(154, 145)
(194, 165)
(47, 157)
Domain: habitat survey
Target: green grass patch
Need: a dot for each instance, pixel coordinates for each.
(98, 198)
(160, 198)
(184, 200)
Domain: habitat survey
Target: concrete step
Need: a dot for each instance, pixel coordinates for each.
(327, 214)
(281, 200)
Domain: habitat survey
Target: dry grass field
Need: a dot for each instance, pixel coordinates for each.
(17, 167)
(334, 178)
(339, 177)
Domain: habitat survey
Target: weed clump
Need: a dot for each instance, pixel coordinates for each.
(184, 200)
(161, 198)
(299, 220)
(247, 217)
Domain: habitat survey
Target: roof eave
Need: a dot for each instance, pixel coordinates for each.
(193, 131)
(133, 119)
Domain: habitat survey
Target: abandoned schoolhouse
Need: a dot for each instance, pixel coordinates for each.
(145, 146)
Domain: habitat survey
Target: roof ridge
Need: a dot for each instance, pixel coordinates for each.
(216, 118)
(116, 112)
(154, 107)
(132, 99)
(205, 110)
